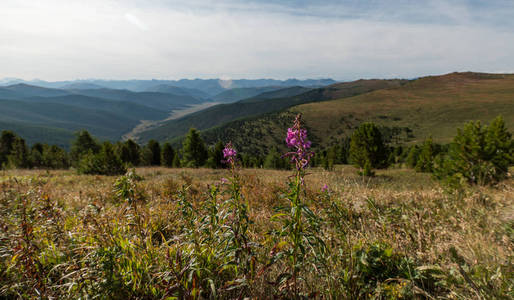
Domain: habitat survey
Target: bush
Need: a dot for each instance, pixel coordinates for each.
(478, 155)
(425, 159)
(367, 149)
(106, 162)
(84, 144)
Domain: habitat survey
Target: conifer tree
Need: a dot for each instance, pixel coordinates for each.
(168, 154)
(6, 145)
(215, 160)
(367, 149)
(105, 162)
(412, 157)
(478, 155)
(194, 152)
(155, 150)
(426, 156)
(19, 156)
(83, 144)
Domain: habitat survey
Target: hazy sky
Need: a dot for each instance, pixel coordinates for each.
(68, 39)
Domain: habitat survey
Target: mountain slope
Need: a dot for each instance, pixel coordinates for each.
(223, 113)
(33, 133)
(22, 90)
(281, 93)
(161, 101)
(128, 109)
(237, 94)
(104, 124)
(180, 91)
(430, 106)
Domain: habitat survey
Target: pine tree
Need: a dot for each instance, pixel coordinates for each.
(6, 145)
(412, 157)
(478, 155)
(55, 157)
(130, 153)
(83, 144)
(215, 160)
(426, 156)
(155, 150)
(168, 154)
(176, 160)
(36, 155)
(105, 162)
(19, 156)
(367, 149)
(194, 152)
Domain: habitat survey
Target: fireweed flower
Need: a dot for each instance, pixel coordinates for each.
(229, 153)
(297, 139)
(325, 188)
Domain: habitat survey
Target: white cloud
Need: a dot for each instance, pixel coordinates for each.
(136, 21)
(58, 39)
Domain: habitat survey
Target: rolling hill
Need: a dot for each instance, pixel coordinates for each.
(52, 115)
(219, 114)
(21, 90)
(33, 133)
(236, 94)
(180, 91)
(161, 101)
(429, 106)
(281, 93)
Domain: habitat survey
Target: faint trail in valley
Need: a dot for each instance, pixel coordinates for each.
(179, 113)
(174, 114)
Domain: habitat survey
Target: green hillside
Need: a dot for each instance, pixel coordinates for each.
(127, 109)
(435, 106)
(22, 90)
(39, 133)
(162, 101)
(52, 115)
(106, 119)
(223, 113)
(237, 94)
(175, 90)
(281, 93)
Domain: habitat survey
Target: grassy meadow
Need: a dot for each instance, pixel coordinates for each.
(397, 235)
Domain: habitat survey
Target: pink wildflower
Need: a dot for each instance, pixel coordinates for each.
(297, 138)
(230, 154)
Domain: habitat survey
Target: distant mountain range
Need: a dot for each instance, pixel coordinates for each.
(52, 111)
(210, 87)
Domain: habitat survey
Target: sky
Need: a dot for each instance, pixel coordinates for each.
(231, 39)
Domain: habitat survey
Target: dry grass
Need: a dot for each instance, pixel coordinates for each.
(417, 217)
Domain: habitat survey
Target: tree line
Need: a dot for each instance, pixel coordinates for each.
(478, 154)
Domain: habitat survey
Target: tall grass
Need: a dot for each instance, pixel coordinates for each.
(187, 234)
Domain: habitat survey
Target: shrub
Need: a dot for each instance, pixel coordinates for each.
(425, 159)
(215, 160)
(106, 162)
(168, 153)
(193, 150)
(82, 145)
(6, 145)
(478, 155)
(367, 149)
(19, 155)
(154, 152)
(130, 153)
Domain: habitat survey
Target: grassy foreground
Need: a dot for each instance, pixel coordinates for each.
(398, 235)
